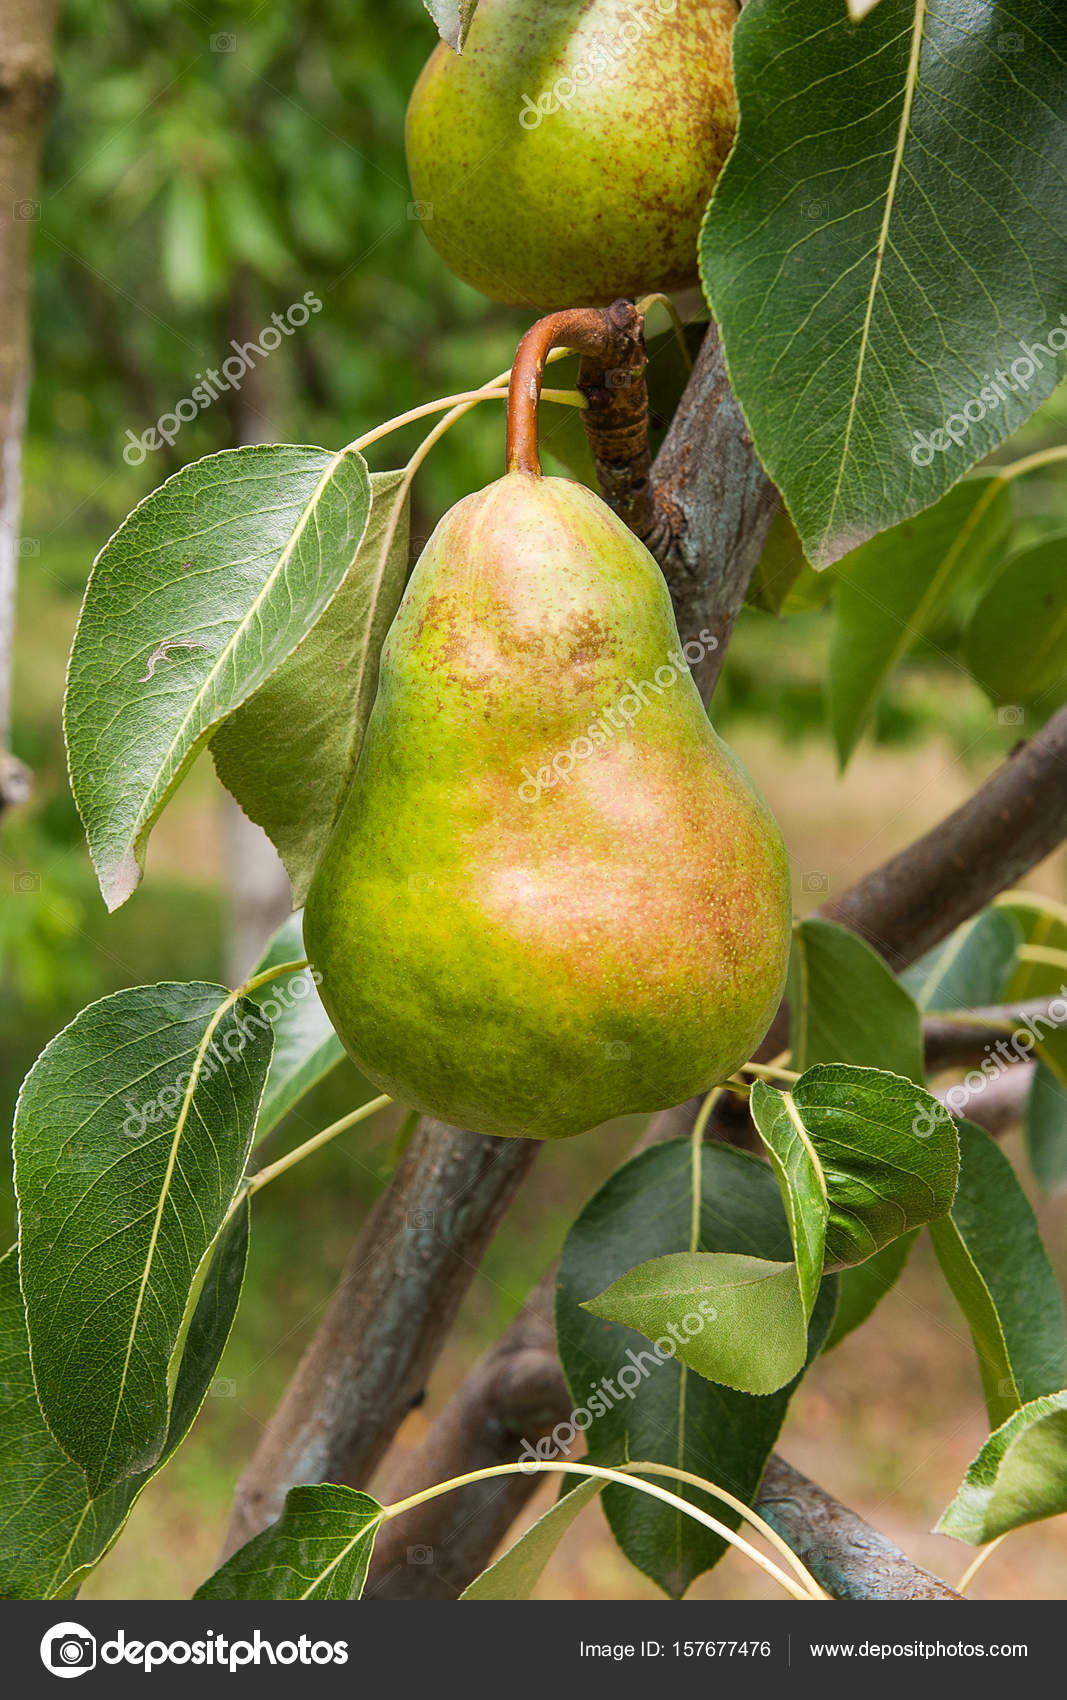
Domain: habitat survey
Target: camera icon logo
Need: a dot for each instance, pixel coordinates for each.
(226, 42)
(68, 1649)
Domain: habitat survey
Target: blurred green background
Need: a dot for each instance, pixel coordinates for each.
(203, 171)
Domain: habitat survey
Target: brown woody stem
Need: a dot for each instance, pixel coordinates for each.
(605, 335)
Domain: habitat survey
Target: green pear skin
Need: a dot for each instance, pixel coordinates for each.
(567, 155)
(553, 895)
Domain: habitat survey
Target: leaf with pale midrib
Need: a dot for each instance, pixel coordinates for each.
(890, 226)
(288, 754)
(202, 592)
(734, 1319)
(866, 1151)
(1016, 640)
(52, 1532)
(889, 594)
(319, 1549)
(971, 967)
(1019, 1477)
(675, 1416)
(132, 1132)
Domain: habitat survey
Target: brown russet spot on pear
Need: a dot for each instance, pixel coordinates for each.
(518, 942)
(568, 153)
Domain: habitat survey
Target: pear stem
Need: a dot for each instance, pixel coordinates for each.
(600, 333)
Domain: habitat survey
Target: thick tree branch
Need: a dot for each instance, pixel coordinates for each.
(714, 505)
(704, 508)
(1016, 819)
(996, 1029)
(385, 1324)
(27, 81)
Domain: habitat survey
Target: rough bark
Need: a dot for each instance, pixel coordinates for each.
(850, 1559)
(1016, 819)
(27, 81)
(714, 506)
(385, 1324)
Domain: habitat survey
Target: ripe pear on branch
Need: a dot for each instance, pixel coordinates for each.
(568, 153)
(553, 895)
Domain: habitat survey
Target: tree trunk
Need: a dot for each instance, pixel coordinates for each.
(27, 80)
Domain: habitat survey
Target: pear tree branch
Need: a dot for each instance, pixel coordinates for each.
(384, 1327)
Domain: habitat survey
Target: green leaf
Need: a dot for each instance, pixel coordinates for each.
(992, 1257)
(734, 1319)
(887, 1153)
(971, 967)
(52, 1532)
(864, 1286)
(1016, 641)
(202, 592)
(640, 1405)
(453, 19)
(889, 592)
(847, 1006)
(319, 1549)
(1044, 928)
(779, 567)
(288, 754)
(888, 233)
(132, 1131)
(305, 1044)
(1045, 1131)
(801, 1183)
(1019, 1477)
(517, 1571)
